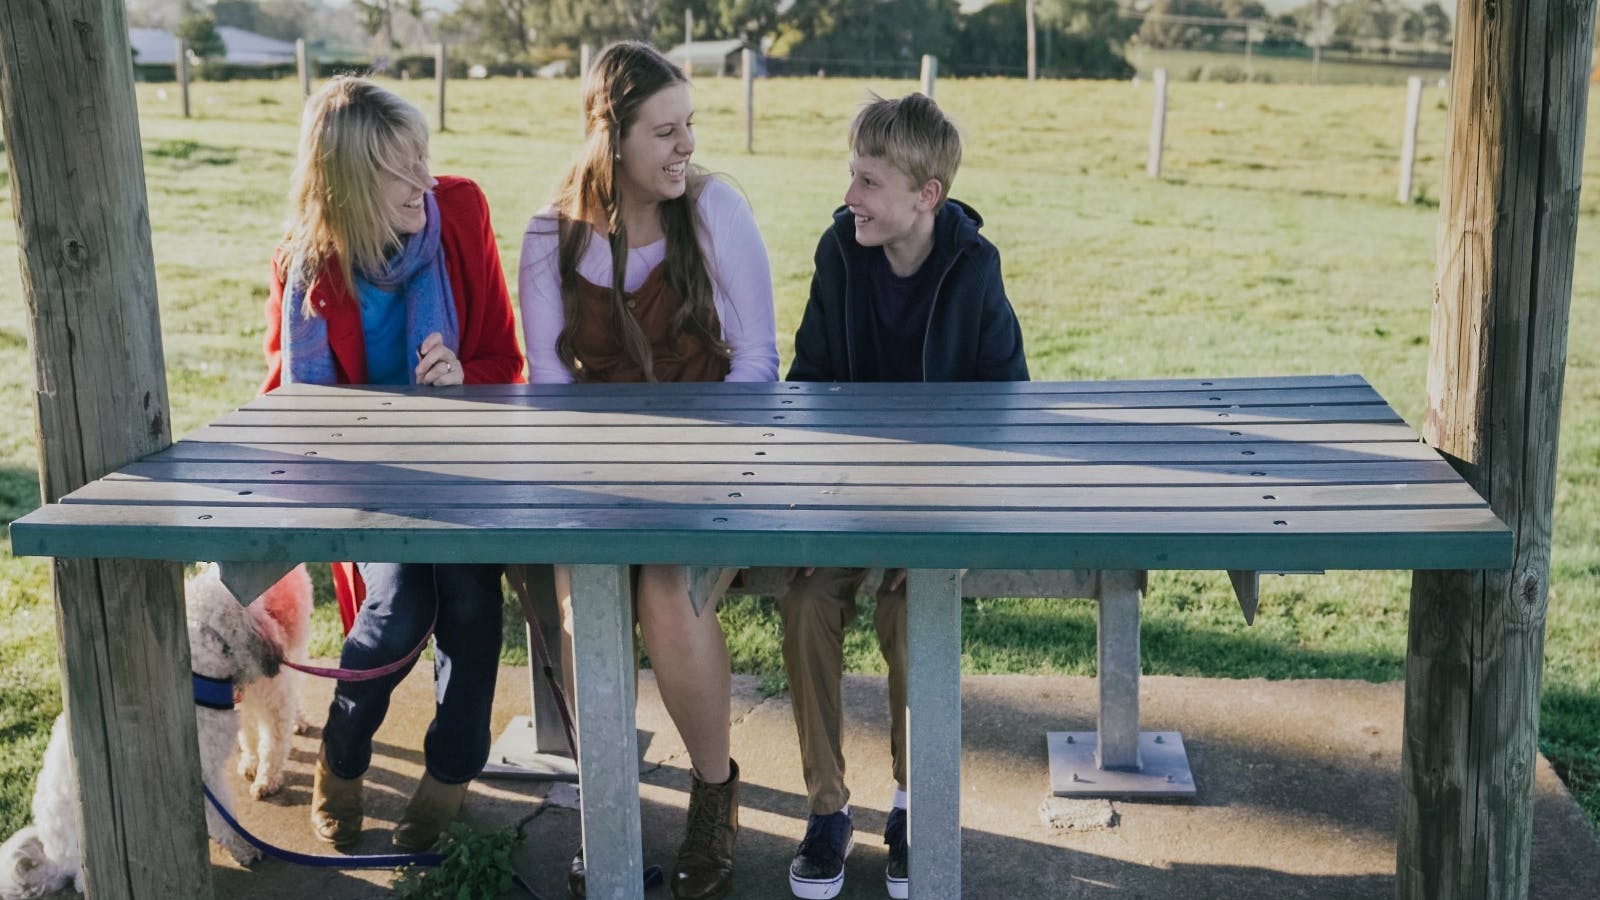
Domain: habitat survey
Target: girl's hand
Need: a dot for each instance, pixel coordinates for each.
(436, 364)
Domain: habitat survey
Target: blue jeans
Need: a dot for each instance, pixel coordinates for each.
(400, 604)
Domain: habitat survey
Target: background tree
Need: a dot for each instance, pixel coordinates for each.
(200, 32)
(501, 30)
(751, 20)
(1437, 29)
(1369, 24)
(1077, 39)
(379, 16)
(1165, 23)
(281, 19)
(866, 37)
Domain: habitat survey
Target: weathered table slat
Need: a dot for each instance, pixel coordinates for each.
(522, 416)
(1239, 473)
(487, 494)
(772, 452)
(1448, 538)
(761, 435)
(1427, 471)
(786, 389)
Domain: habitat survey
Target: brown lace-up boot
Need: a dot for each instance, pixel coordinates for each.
(335, 806)
(704, 867)
(432, 807)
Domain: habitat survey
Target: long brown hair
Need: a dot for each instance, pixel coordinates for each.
(622, 78)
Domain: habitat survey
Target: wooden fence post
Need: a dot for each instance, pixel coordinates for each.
(747, 63)
(89, 282)
(302, 64)
(1033, 44)
(688, 43)
(1508, 218)
(1408, 149)
(930, 72)
(440, 65)
(1158, 126)
(585, 59)
(182, 63)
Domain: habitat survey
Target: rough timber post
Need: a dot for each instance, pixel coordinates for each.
(1508, 218)
(101, 402)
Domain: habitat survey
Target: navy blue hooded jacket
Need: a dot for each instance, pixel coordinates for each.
(972, 332)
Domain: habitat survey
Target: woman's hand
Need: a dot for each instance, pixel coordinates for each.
(436, 364)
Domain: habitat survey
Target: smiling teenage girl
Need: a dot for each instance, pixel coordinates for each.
(646, 268)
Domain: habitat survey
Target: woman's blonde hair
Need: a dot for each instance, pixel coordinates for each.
(622, 78)
(352, 133)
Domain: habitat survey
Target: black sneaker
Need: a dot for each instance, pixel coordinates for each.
(897, 874)
(817, 872)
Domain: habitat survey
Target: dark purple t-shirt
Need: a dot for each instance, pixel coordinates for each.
(900, 308)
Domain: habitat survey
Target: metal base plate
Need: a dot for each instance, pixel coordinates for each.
(514, 756)
(1075, 773)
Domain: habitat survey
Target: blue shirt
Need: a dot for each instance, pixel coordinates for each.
(383, 325)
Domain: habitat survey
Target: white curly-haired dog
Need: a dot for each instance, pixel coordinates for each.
(227, 642)
(269, 708)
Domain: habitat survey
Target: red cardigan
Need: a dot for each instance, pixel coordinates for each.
(488, 352)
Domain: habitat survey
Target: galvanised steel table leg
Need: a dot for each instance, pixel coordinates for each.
(608, 751)
(933, 693)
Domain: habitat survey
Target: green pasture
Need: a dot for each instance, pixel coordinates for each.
(1272, 245)
(1335, 68)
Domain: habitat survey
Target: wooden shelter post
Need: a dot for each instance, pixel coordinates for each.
(1508, 221)
(77, 182)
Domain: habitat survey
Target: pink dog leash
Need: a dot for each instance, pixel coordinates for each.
(368, 674)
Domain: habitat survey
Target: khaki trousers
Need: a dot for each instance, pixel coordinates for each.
(816, 610)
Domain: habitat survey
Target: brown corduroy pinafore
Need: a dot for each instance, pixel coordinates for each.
(599, 347)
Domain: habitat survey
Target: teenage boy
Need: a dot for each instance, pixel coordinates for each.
(905, 289)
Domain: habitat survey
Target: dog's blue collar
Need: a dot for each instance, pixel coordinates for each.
(212, 693)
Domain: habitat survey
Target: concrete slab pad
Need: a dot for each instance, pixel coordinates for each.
(1297, 790)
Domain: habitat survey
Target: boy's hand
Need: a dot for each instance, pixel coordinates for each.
(436, 364)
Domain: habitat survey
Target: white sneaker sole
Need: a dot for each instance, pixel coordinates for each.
(898, 888)
(808, 889)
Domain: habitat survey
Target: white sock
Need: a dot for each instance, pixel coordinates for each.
(899, 797)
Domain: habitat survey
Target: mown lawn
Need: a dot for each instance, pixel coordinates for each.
(1271, 246)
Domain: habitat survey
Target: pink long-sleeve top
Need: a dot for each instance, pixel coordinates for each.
(736, 257)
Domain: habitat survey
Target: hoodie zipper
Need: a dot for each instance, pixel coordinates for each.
(938, 288)
(849, 293)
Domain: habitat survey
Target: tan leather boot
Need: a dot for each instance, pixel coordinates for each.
(335, 806)
(432, 807)
(704, 867)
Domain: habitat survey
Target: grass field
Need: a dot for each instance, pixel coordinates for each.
(1334, 69)
(1272, 245)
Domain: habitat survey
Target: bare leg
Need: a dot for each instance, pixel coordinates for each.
(690, 656)
(563, 580)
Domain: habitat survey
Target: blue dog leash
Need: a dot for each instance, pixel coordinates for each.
(217, 693)
(361, 861)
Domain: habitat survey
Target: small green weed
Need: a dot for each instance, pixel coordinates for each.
(477, 866)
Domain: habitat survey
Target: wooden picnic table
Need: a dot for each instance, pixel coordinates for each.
(1244, 474)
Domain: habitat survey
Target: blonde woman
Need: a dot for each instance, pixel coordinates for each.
(646, 268)
(390, 276)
